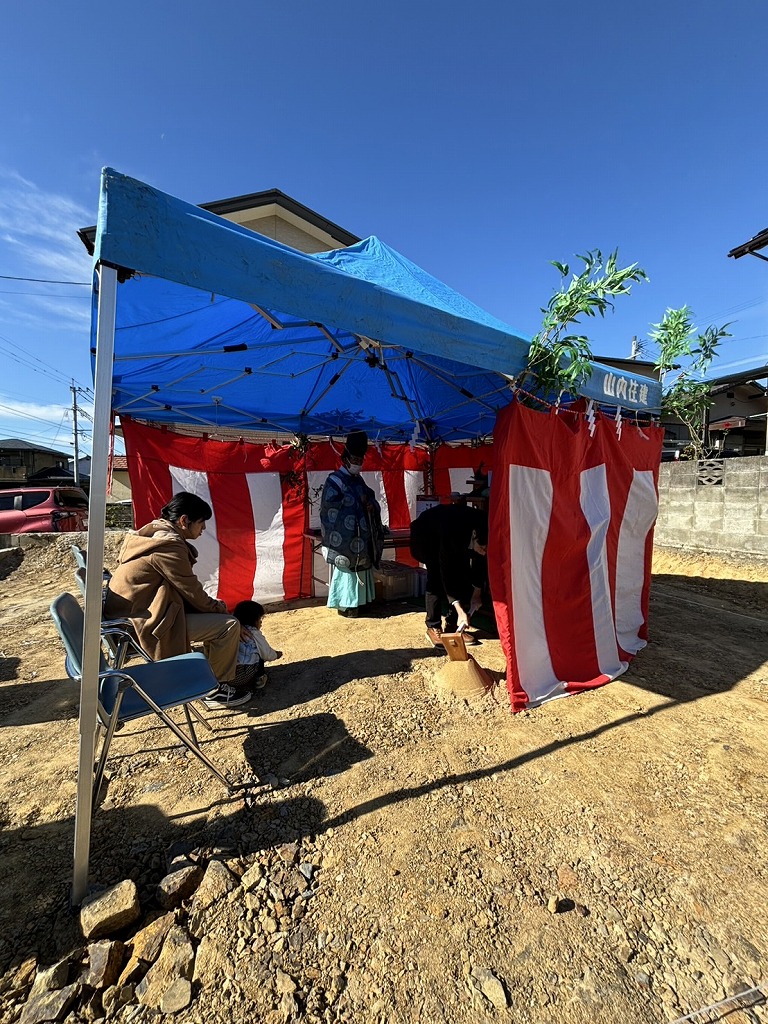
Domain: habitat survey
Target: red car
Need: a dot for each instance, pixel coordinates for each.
(43, 510)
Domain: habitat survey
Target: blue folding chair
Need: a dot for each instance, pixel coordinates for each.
(126, 694)
(118, 638)
(81, 558)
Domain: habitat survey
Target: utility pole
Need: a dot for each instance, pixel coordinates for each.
(76, 473)
(636, 348)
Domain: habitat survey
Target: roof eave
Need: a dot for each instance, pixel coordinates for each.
(254, 201)
(750, 248)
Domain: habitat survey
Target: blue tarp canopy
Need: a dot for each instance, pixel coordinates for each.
(221, 327)
(216, 326)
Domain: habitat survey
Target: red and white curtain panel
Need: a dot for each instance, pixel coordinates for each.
(264, 499)
(573, 504)
(454, 467)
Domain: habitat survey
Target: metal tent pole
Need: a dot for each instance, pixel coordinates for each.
(89, 687)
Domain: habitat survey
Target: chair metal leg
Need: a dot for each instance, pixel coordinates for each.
(201, 718)
(188, 743)
(190, 725)
(113, 720)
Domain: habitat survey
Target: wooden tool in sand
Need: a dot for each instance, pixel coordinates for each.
(456, 646)
(462, 675)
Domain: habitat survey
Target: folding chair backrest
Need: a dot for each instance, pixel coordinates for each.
(80, 578)
(79, 556)
(68, 618)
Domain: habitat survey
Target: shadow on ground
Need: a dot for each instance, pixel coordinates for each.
(126, 843)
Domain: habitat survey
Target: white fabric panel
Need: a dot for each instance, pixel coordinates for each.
(530, 510)
(267, 504)
(207, 564)
(375, 481)
(596, 506)
(414, 485)
(639, 517)
(315, 482)
(459, 479)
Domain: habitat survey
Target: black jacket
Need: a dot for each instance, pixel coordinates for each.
(440, 538)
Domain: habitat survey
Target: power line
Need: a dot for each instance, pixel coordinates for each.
(740, 307)
(29, 361)
(61, 424)
(37, 438)
(31, 366)
(27, 415)
(43, 280)
(17, 396)
(37, 295)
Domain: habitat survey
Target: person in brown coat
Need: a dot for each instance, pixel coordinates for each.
(155, 587)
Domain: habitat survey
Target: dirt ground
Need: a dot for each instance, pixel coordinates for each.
(603, 856)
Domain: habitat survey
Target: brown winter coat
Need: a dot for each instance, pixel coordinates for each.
(154, 586)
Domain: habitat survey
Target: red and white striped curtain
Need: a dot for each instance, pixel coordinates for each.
(264, 499)
(573, 504)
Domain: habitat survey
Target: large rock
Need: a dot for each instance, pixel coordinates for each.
(217, 882)
(177, 997)
(491, 987)
(213, 962)
(176, 961)
(50, 979)
(105, 958)
(110, 911)
(252, 877)
(178, 886)
(48, 1005)
(148, 942)
(116, 997)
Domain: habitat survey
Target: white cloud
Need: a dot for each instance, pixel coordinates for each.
(38, 239)
(46, 312)
(47, 424)
(11, 408)
(42, 229)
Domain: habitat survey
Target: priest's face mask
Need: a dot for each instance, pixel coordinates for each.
(353, 463)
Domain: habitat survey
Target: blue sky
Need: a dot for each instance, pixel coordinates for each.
(481, 140)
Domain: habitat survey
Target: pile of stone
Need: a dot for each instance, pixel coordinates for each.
(209, 911)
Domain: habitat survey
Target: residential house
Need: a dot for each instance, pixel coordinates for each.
(738, 419)
(121, 484)
(24, 463)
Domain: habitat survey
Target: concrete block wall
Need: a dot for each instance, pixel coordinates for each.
(731, 517)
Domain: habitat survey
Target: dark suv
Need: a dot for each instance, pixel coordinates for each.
(43, 510)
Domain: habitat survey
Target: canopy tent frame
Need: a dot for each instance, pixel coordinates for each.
(145, 237)
(94, 579)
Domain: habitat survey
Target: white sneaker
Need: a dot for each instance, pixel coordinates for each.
(227, 697)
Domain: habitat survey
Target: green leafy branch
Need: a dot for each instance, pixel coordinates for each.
(562, 361)
(684, 357)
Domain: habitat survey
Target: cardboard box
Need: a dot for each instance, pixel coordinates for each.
(394, 581)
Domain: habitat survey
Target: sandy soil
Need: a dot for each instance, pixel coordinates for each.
(450, 825)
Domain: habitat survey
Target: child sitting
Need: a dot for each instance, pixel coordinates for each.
(254, 649)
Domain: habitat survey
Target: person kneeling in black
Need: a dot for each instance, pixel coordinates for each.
(446, 538)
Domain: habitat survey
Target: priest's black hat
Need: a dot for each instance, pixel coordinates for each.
(357, 443)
